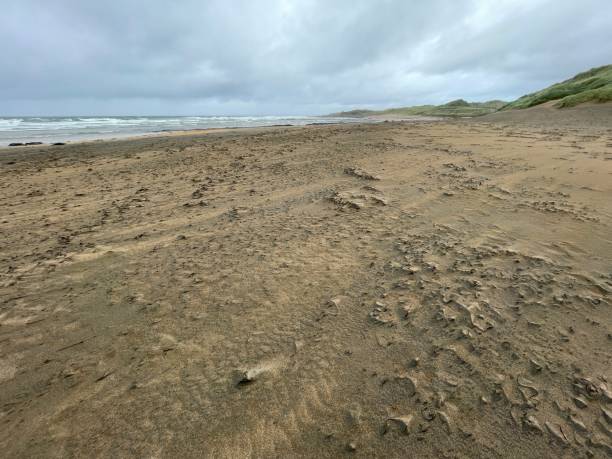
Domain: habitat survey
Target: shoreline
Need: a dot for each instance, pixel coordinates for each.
(596, 115)
(358, 121)
(148, 135)
(84, 137)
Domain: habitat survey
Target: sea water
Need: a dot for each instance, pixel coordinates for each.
(70, 128)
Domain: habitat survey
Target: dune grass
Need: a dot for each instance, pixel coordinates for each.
(455, 108)
(594, 85)
(599, 95)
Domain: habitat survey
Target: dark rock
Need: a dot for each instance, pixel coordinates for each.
(16, 144)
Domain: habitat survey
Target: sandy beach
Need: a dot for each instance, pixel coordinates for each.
(402, 289)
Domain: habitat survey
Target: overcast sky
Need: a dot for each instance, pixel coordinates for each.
(237, 57)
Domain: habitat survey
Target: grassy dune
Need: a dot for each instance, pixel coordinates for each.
(455, 108)
(594, 85)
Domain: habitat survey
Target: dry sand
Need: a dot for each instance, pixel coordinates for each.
(437, 289)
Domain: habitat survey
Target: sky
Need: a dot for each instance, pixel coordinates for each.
(287, 57)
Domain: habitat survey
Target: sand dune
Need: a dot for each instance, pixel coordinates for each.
(434, 289)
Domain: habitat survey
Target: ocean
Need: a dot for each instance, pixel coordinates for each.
(70, 128)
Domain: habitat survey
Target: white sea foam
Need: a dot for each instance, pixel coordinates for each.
(62, 129)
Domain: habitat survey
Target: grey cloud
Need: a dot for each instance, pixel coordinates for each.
(287, 56)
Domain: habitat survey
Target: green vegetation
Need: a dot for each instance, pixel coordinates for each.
(598, 95)
(594, 85)
(455, 108)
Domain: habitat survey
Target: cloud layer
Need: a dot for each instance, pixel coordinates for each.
(287, 56)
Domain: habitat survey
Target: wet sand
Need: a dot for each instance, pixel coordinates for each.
(436, 289)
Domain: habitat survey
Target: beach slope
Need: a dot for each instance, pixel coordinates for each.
(405, 289)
